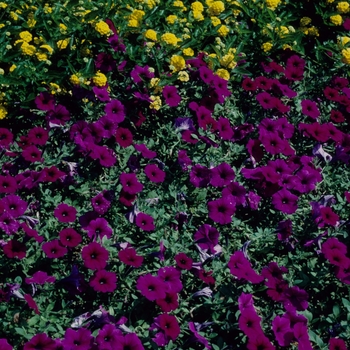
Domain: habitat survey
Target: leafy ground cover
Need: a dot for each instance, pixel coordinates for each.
(174, 174)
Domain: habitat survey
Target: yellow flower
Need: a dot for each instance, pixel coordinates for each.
(2, 72)
(150, 3)
(55, 88)
(346, 55)
(99, 79)
(272, 4)
(48, 48)
(47, 9)
(286, 46)
(183, 76)
(180, 4)
(74, 79)
(156, 104)
(197, 6)
(215, 21)
(305, 21)
(266, 46)
(188, 51)
(313, 31)
(343, 40)
(63, 28)
(282, 31)
(330, 1)
(62, 44)
(31, 22)
(170, 39)
(216, 8)
(2, 25)
(102, 28)
(336, 19)
(223, 30)
(151, 34)
(26, 36)
(14, 16)
(186, 36)
(133, 23)
(3, 5)
(12, 68)
(171, 19)
(227, 61)
(343, 7)
(41, 56)
(223, 73)
(177, 62)
(198, 15)
(137, 14)
(3, 112)
(154, 82)
(28, 49)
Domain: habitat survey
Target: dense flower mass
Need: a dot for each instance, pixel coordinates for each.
(174, 174)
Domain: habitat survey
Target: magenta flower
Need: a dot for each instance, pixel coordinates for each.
(6, 137)
(14, 205)
(14, 249)
(32, 154)
(171, 277)
(40, 341)
(151, 287)
(310, 109)
(58, 115)
(146, 153)
(207, 237)
(249, 85)
(168, 328)
(259, 341)
(222, 175)
(237, 191)
(95, 256)
(222, 209)
(53, 249)
(80, 339)
(45, 101)
(154, 173)
(65, 213)
(265, 100)
(101, 93)
(245, 302)
(31, 303)
(183, 160)
(130, 183)
(145, 222)
(282, 330)
(69, 237)
(139, 73)
(8, 184)
(104, 281)
(129, 341)
(4, 345)
(129, 257)
(40, 277)
(98, 229)
(169, 303)
(337, 343)
(115, 111)
(200, 176)
(183, 261)
(285, 201)
(295, 299)
(249, 323)
(124, 137)
(329, 217)
(100, 203)
(38, 136)
(172, 98)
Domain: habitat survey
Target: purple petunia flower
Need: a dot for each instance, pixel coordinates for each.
(74, 283)
(200, 176)
(265, 100)
(59, 115)
(53, 249)
(207, 237)
(168, 328)
(130, 183)
(282, 330)
(104, 281)
(222, 209)
(4, 345)
(100, 203)
(129, 257)
(40, 341)
(183, 261)
(310, 109)
(285, 201)
(249, 323)
(109, 337)
(295, 299)
(222, 175)
(65, 213)
(169, 303)
(69, 237)
(138, 73)
(224, 128)
(38, 136)
(32, 154)
(154, 173)
(197, 337)
(98, 229)
(124, 137)
(151, 287)
(172, 98)
(184, 160)
(6, 138)
(146, 153)
(337, 343)
(101, 93)
(40, 277)
(171, 277)
(15, 249)
(144, 222)
(45, 101)
(80, 339)
(95, 256)
(115, 111)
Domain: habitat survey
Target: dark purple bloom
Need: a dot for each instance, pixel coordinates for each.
(146, 153)
(285, 201)
(259, 341)
(58, 115)
(184, 160)
(98, 229)
(295, 299)
(95, 256)
(249, 323)
(74, 283)
(224, 128)
(6, 137)
(105, 62)
(100, 203)
(197, 337)
(4, 345)
(235, 190)
(222, 175)
(171, 277)
(207, 237)
(130, 183)
(139, 73)
(169, 303)
(185, 123)
(31, 303)
(310, 109)
(53, 249)
(32, 154)
(200, 176)
(65, 213)
(129, 257)
(115, 111)
(38, 136)
(124, 137)
(109, 337)
(265, 100)
(101, 93)
(222, 209)
(144, 222)
(8, 223)
(337, 343)
(168, 328)
(151, 287)
(14, 249)
(80, 339)
(104, 281)
(40, 341)
(172, 98)
(40, 277)
(52, 174)
(183, 261)
(245, 302)
(154, 173)
(282, 330)
(45, 101)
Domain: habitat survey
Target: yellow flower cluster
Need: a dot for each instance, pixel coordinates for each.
(223, 73)
(197, 11)
(266, 46)
(62, 44)
(336, 20)
(171, 19)
(180, 4)
(170, 39)
(188, 52)
(156, 104)
(102, 28)
(151, 34)
(177, 63)
(183, 76)
(215, 21)
(135, 18)
(228, 60)
(343, 7)
(272, 4)
(99, 79)
(216, 8)
(3, 112)
(346, 55)
(223, 30)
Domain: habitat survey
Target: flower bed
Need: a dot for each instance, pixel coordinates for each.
(174, 174)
